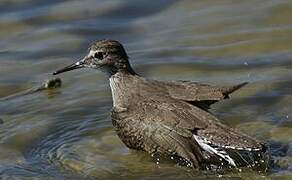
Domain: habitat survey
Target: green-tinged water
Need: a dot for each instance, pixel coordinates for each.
(66, 133)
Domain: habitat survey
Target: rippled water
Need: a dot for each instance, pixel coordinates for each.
(67, 132)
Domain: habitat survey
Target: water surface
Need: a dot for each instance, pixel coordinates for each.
(67, 132)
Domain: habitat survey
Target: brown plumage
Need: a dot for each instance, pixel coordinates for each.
(169, 118)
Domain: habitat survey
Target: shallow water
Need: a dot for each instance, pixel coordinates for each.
(67, 132)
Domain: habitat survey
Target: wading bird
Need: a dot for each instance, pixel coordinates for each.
(170, 118)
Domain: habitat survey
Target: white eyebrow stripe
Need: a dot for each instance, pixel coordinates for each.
(91, 53)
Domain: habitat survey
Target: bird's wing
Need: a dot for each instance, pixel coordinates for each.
(186, 120)
(164, 128)
(170, 125)
(178, 116)
(162, 139)
(201, 95)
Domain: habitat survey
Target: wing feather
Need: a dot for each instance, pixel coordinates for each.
(201, 95)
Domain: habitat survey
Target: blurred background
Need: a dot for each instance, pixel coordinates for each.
(67, 132)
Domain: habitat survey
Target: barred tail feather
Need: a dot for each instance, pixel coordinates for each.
(205, 145)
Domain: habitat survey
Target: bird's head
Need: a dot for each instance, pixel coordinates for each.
(107, 55)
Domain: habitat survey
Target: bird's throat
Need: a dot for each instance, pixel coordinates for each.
(119, 89)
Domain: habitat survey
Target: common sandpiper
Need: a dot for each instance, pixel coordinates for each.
(170, 119)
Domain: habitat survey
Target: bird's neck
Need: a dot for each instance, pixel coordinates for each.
(121, 66)
(122, 84)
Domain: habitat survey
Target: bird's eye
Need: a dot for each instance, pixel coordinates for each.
(98, 55)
